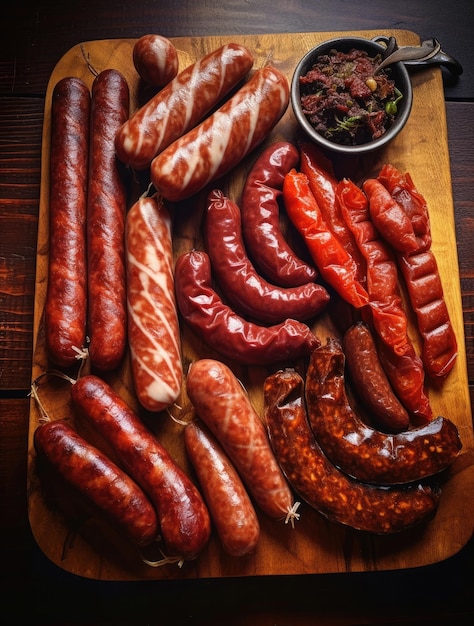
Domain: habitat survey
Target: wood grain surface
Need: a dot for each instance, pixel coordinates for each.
(314, 546)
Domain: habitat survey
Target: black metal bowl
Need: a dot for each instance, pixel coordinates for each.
(398, 73)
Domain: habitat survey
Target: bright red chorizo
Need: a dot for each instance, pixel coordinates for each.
(156, 59)
(87, 470)
(260, 208)
(153, 327)
(243, 287)
(227, 499)
(106, 207)
(182, 514)
(181, 104)
(222, 140)
(316, 480)
(66, 297)
(222, 404)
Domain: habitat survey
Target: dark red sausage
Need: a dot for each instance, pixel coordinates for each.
(242, 286)
(96, 477)
(369, 380)
(107, 202)
(261, 228)
(227, 499)
(181, 104)
(222, 140)
(225, 331)
(317, 481)
(183, 516)
(224, 406)
(360, 450)
(66, 298)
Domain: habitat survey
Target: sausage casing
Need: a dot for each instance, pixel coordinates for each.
(153, 327)
(106, 207)
(316, 480)
(360, 450)
(222, 404)
(66, 297)
(227, 499)
(96, 477)
(182, 514)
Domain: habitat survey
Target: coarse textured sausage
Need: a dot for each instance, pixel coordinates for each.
(222, 140)
(95, 476)
(243, 287)
(181, 104)
(106, 207)
(227, 499)
(182, 514)
(156, 59)
(153, 327)
(369, 381)
(360, 450)
(224, 406)
(66, 298)
(318, 482)
(261, 229)
(225, 331)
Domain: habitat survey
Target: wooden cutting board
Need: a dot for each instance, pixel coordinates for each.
(315, 545)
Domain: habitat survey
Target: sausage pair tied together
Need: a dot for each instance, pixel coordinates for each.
(182, 514)
(181, 104)
(222, 404)
(225, 331)
(316, 480)
(96, 477)
(153, 326)
(221, 141)
(106, 208)
(360, 450)
(227, 499)
(260, 210)
(66, 298)
(243, 287)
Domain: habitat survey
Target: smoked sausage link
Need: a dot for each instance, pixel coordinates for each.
(66, 298)
(223, 405)
(261, 229)
(106, 207)
(153, 327)
(360, 450)
(316, 480)
(96, 477)
(182, 514)
(238, 279)
(225, 331)
(227, 499)
(181, 104)
(222, 140)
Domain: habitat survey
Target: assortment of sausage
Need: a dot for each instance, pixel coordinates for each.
(252, 299)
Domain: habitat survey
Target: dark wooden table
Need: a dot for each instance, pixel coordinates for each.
(35, 35)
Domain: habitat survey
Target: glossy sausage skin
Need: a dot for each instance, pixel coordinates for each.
(106, 207)
(222, 140)
(224, 330)
(244, 288)
(316, 480)
(369, 381)
(182, 514)
(156, 59)
(153, 327)
(261, 229)
(66, 298)
(360, 450)
(222, 404)
(227, 499)
(96, 477)
(181, 104)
